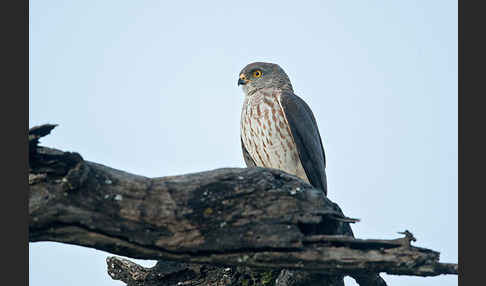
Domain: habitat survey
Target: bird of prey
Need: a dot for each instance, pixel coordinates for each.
(278, 129)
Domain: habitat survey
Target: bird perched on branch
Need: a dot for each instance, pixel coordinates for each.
(278, 129)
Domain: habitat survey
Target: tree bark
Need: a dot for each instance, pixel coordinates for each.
(252, 221)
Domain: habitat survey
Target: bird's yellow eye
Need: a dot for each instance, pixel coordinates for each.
(257, 73)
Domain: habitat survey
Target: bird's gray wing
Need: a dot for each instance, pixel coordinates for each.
(248, 159)
(305, 133)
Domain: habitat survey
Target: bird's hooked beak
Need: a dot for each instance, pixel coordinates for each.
(242, 80)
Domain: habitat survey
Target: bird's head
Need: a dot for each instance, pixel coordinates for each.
(260, 75)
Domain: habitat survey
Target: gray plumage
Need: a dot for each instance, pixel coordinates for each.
(307, 139)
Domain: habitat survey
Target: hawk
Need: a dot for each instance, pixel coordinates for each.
(278, 129)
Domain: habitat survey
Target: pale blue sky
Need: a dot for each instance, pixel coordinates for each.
(149, 87)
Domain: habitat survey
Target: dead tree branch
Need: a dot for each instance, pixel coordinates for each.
(239, 217)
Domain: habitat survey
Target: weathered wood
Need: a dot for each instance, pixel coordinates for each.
(247, 217)
(173, 273)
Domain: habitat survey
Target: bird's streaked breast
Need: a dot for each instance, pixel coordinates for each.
(266, 134)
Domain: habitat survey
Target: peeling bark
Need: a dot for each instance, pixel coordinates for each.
(198, 225)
